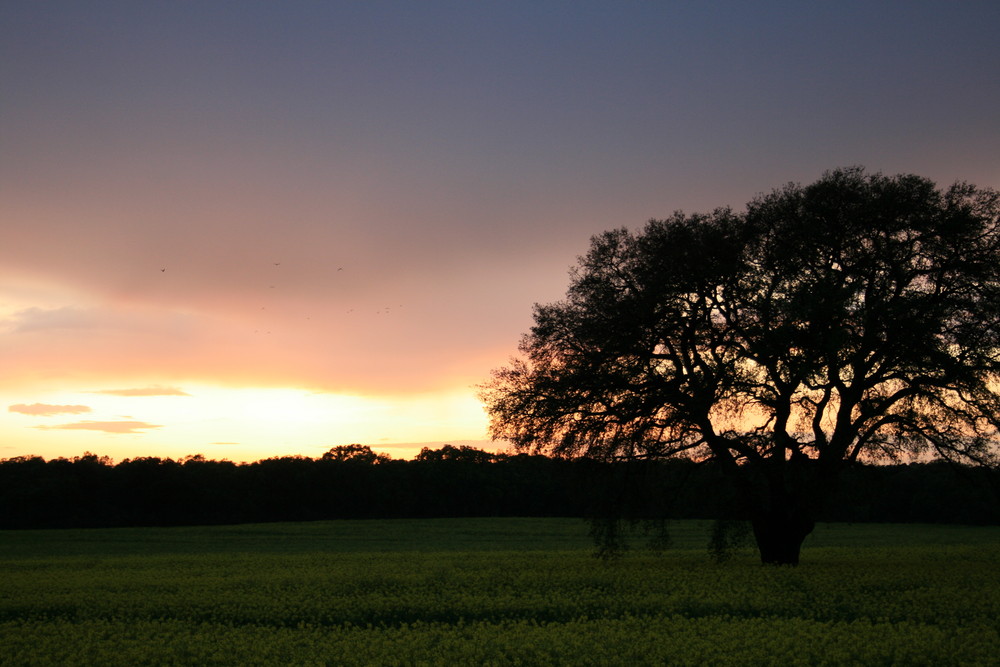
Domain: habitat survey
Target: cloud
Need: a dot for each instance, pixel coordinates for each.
(145, 391)
(107, 427)
(45, 410)
(41, 319)
(77, 320)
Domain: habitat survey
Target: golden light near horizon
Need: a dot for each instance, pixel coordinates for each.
(124, 378)
(236, 423)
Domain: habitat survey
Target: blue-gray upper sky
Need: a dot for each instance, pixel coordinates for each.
(369, 196)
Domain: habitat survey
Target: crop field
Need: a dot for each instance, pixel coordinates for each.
(492, 591)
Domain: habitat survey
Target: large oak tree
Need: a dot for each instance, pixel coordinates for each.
(856, 318)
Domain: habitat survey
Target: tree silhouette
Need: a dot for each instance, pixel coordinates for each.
(355, 453)
(460, 454)
(857, 318)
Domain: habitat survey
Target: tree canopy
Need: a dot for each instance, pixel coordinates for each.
(856, 318)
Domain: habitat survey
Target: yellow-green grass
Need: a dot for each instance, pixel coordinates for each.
(492, 591)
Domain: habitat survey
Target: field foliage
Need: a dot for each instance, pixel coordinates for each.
(491, 591)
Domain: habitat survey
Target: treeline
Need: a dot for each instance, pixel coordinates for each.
(350, 482)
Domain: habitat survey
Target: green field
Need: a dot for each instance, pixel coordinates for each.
(492, 591)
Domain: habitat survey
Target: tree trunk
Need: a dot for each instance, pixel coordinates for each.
(779, 538)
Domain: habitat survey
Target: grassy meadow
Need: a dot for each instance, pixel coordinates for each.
(492, 591)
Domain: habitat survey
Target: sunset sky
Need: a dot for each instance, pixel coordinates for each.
(254, 229)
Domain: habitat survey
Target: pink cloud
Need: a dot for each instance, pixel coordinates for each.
(107, 427)
(68, 317)
(45, 410)
(145, 391)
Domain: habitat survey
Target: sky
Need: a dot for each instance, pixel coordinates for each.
(256, 229)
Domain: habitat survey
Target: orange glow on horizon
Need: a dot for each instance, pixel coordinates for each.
(235, 423)
(123, 378)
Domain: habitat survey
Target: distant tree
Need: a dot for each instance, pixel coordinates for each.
(355, 453)
(462, 453)
(857, 318)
